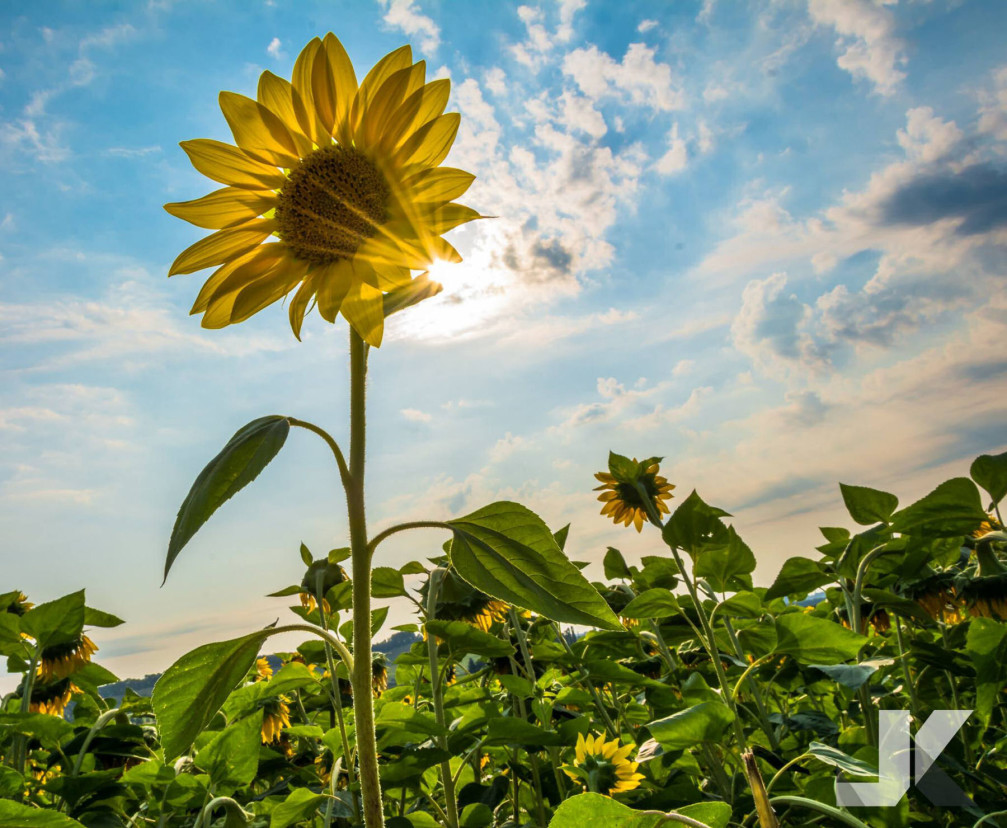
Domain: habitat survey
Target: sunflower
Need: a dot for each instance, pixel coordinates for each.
(457, 600)
(17, 603)
(603, 767)
(938, 598)
(52, 697)
(275, 717)
(334, 188)
(379, 674)
(991, 524)
(623, 498)
(263, 670)
(61, 660)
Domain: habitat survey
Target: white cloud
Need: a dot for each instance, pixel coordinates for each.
(867, 35)
(636, 79)
(133, 152)
(506, 446)
(676, 158)
(993, 108)
(495, 80)
(275, 49)
(405, 15)
(646, 26)
(414, 415)
(926, 137)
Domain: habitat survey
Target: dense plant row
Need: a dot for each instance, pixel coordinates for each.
(709, 702)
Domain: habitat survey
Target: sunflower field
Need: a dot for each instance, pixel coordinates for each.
(674, 692)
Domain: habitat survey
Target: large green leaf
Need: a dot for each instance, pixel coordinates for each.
(990, 472)
(590, 809)
(726, 566)
(56, 622)
(694, 525)
(986, 646)
(813, 640)
(868, 506)
(953, 508)
(798, 576)
(615, 564)
(246, 454)
(232, 756)
(506, 730)
(508, 552)
(297, 807)
(194, 688)
(835, 757)
(16, 815)
(853, 675)
(703, 722)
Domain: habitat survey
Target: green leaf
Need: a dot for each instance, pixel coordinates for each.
(402, 716)
(952, 509)
(246, 454)
(813, 640)
(194, 688)
(742, 605)
(475, 815)
(622, 468)
(990, 472)
(694, 525)
(49, 730)
(704, 722)
(231, 758)
(298, 807)
(798, 576)
(987, 648)
(853, 675)
(843, 761)
(56, 622)
(615, 565)
(868, 506)
(506, 730)
(306, 555)
(387, 583)
(654, 603)
(409, 766)
(713, 814)
(464, 638)
(97, 618)
(16, 815)
(507, 551)
(590, 809)
(291, 676)
(725, 566)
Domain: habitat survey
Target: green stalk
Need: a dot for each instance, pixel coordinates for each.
(363, 700)
(437, 690)
(585, 682)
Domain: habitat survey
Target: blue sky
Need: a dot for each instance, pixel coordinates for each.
(763, 240)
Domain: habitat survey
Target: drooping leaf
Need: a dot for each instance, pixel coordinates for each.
(615, 564)
(508, 552)
(990, 472)
(510, 731)
(195, 687)
(813, 640)
(56, 622)
(97, 618)
(703, 722)
(694, 524)
(868, 506)
(953, 508)
(246, 454)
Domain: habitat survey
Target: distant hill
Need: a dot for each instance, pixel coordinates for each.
(393, 647)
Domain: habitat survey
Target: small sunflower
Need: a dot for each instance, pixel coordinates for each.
(345, 178)
(263, 670)
(457, 600)
(275, 717)
(991, 524)
(621, 492)
(379, 674)
(938, 598)
(61, 660)
(17, 603)
(603, 767)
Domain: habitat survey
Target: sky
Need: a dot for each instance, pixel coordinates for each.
(762, 240)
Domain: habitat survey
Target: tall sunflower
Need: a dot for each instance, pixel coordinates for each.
(333, 188)
(624, 487)
(61, 660)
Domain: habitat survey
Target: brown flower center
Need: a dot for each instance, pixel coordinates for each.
(332, 201)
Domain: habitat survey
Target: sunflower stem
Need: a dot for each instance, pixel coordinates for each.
(363, 700)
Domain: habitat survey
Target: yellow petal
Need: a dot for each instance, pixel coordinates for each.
(431, 143)
(363, 309)
(333, 73)
(229, 165)
(223, 208)
(389, 277)
(258, 131)
(222, 246)
(268, 289)
(439, 185)
(311, 124)
(449, 216)
(333, 281)
(236, 274)
(374, 121)
(299, 304)
(418, 109)
(401, 58)
(279, 96)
